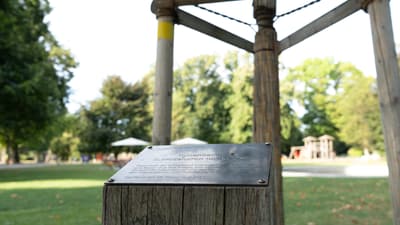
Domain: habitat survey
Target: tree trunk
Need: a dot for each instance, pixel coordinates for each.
(16, 153)
(10, 153)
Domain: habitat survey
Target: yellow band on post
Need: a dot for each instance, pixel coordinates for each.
(165, 30)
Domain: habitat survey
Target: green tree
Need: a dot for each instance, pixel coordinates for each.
(198, 100)
(338, 100)
(314, 84)
(67, 123)
(238, 72)
(357, 113)
(34, 72)
(241, 100)
(65, 145)
(291, 134)
(122, 111)
(241, 105)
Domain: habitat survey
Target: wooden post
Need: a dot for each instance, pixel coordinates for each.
(389, 93)
(164, 70)
(266, 119)
(185, 205)
(186, 185)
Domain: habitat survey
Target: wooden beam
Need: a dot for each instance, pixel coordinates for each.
(195, 2)
(205, 27)
(388, 78)
(332, 17)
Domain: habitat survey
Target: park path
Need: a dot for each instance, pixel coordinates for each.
(28, 165)
(355, 170)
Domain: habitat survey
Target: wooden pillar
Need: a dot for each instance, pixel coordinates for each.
(163, 76)
(266, 119)
(389, 93)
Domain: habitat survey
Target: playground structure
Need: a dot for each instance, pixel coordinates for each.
(314, 148)
(266, 49)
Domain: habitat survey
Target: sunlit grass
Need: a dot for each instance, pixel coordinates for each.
(52, 195)
(51, 184)
(71, 195)
(327, 201)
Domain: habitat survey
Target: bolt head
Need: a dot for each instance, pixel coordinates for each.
(261, 181)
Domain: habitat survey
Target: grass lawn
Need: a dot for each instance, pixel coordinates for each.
(331, 201)
(52, 195)
(72, 195)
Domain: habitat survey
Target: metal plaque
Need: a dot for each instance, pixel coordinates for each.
(214, 164)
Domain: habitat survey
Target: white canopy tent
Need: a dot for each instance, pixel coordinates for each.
(130, 142)
(188, 141)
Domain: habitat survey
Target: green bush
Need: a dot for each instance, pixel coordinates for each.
(354, 152)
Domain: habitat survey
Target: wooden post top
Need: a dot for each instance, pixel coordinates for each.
(269, 6)
(195, 2)
(167, 7)
(264, 12)
(163, 7)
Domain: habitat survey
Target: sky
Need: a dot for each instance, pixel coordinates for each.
(119, 37)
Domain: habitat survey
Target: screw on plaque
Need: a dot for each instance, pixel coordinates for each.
(110, 180)
(261, 181)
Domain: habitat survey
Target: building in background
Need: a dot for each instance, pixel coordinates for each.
(314, 148)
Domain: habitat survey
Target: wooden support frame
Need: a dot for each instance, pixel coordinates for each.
(207, 28)
(388, 75)
(388, 80)
(163, 74)
(342, 11)
(185, 205)
(266, 115)
(195, 2)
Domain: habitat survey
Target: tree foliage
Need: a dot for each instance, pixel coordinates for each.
(338, 100)
(66, 123)
(34, 72)
(65, 145)
(213, 101)
(199, 96)
(121, 112)
(291, 134)
(357, 113)
(241, 100)
(314, 82)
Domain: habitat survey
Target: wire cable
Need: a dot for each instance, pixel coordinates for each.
(296, 9)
